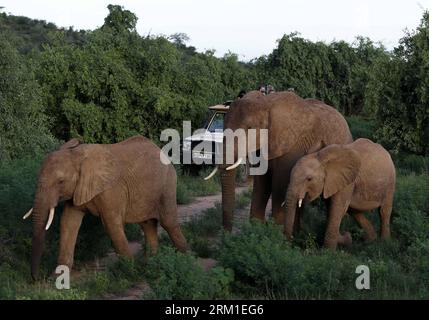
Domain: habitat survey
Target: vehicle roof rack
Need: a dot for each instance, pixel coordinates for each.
(219, 107)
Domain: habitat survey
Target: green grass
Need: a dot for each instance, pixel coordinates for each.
(189, 187)
(119, 276)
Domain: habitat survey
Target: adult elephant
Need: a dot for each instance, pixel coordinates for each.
(296, 126)
(121, 183)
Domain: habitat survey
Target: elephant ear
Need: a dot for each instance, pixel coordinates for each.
(342, 167)
(72, 143)
(290, 121)
(99, 171)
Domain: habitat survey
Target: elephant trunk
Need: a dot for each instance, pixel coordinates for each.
(42, 217)
(38, 240)
(291, 203)
(228, 197)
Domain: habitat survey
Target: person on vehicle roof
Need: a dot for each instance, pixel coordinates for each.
(266, 89)
(241, 94)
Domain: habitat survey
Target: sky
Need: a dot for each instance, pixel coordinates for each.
(248, 28)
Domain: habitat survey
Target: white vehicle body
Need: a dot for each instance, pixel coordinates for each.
(204, 146)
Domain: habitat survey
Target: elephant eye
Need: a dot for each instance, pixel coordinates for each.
(309, 178)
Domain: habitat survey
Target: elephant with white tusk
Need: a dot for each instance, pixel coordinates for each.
(295, 127)
(121, 183)
(354, 178)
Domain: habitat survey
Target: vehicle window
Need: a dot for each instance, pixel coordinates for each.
(217, 123)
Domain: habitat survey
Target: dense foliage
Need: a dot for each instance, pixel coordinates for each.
(111, 83)
(400, 93)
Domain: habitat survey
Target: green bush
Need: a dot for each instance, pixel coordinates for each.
(407, 163)
(10, 279)
(17, 186)
(401, 86)
(174, 275)
(361, 127)
(99, 284)
(265, 265)
(126, 268)
(118, 276)
(410, 209)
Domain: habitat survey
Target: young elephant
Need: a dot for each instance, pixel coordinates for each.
(121, 183)
(356, 177)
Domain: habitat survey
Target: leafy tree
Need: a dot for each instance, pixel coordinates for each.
(119, 19)
(337, 73)
(300, 64)
(400, 92)
(24, 128)
(110, 83)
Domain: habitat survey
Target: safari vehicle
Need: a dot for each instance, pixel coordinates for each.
(197, 147)
(212, 135)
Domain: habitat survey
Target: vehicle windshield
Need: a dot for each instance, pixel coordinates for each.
(217, 123)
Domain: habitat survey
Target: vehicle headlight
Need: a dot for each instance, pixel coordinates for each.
(187, 145)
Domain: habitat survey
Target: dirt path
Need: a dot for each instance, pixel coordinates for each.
(186, 213)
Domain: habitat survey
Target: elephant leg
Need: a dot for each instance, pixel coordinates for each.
(150, 230)
(281, 169)
(260, 195)
(385, 213)
(279, 186)
(175, 233)
(71, 221)
(115, 229)
(366, 225)
(169, 218)
(338, 207)
(345, 239)
(228, 197)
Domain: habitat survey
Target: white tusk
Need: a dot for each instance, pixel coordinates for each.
(27, 214)
(211, 174)
(299, 203)
(50, 219)
(235, 165)
(283, 203)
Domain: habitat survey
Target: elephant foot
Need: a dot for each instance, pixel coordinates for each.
(288, 235)
(369, 237)
(345, 239)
